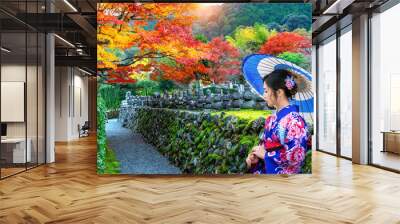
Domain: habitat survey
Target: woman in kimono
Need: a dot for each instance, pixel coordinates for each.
(286, 137)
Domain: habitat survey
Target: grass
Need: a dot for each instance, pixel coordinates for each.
(112, 164)
(247, 114)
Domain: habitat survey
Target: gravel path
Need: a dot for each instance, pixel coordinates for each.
(136, 156)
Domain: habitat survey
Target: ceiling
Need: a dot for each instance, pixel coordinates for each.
(328, 15)
(75, 22)
(72, 20)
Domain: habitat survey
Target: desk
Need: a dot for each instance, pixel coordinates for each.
(18, 149)
(391, 141)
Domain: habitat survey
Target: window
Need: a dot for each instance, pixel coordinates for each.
(327, 95)
(346, 92)
(385, 89)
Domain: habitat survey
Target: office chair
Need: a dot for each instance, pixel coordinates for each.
(84, 130)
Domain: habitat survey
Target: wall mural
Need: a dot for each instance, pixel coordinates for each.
(204, 88)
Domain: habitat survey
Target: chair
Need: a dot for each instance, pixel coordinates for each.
(84, 130)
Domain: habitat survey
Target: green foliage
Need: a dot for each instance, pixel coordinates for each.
(249, 39)
(201, 37)
(111, 96)
(166, 85)
(111, 162)
(143, 87)
(294, 21)
(106, 160)
(296, 58)
(146, 87)
(249, 141)
(101, 135)
(167, 61)
(262, 33)
(235, 14)
(245, 114)
(125, 87)
(275, 26)
(303, 32)
(213, 89)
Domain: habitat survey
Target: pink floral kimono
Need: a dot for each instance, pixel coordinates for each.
(287, 140)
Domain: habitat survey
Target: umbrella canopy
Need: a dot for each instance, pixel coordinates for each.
(257, 66)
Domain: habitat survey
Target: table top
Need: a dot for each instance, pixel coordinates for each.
(391, 132)
(13, 140)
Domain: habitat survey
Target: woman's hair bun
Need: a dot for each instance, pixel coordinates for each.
(292, 92)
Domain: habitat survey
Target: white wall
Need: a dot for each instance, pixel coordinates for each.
(71, 94)
(62, 81)
(80, 115)
(12, 73)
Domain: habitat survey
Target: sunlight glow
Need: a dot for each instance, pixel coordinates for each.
(210, 4)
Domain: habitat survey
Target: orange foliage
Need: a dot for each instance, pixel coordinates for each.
(286, 42)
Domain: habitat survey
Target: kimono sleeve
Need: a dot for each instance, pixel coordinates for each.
(295, 144)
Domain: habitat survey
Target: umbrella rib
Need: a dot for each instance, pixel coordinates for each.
(309, 105)
(312, 97)
(300, 101)
(269, 62)
(304, 102)
(276, 61)
(311, 94)
(267, 66)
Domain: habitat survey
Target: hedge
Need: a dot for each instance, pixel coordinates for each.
(200, 142)
(106, 160)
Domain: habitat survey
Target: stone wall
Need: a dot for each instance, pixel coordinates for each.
(196, 142)
(198, 100)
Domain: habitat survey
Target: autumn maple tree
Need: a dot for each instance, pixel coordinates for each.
(158, 39)
(286, 42)
(132, 37)
(224, 60)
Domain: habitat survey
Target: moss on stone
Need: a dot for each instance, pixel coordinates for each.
(246, 114)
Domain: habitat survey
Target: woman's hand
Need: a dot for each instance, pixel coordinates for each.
(259, 151)
(251, 160)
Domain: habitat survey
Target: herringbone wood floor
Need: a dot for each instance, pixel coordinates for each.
(70, 191)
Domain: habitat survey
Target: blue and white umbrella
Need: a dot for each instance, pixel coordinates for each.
(257, 66)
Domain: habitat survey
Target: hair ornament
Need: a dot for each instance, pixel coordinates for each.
(289, 82)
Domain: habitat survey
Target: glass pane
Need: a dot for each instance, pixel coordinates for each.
(32, 98)
(327, 96)
(386, 89)
(22, 77)
(346, 94)
(314, 84)
(41, 98)
(13, 86)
